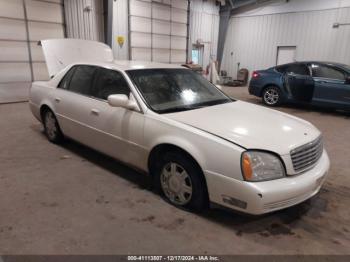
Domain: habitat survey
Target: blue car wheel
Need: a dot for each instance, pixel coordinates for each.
(272, 96)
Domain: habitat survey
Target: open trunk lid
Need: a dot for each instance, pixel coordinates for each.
(59, 53)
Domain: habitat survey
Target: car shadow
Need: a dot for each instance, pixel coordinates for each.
(277, 223)
(139, 178)
(283, 222)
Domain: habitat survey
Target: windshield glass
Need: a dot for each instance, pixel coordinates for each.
(347, 67)
(174, 90)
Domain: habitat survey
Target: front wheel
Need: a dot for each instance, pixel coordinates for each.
(182, 182)
(272, 96)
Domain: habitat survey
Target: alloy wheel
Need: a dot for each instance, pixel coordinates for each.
(271, 96)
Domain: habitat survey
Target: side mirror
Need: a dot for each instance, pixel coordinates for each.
(122, 101)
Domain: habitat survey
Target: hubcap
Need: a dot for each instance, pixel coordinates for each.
(50, 125)
(271, 96)
(176, 184)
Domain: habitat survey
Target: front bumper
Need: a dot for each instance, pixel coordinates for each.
(268, 196)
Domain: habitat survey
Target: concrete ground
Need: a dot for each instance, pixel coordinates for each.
(72, 200)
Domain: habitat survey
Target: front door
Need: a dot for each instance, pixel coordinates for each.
(118, 131)
(330, 86)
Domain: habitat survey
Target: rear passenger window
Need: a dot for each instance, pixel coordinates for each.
(281, 69)
(109, 82)
(298, 69)
(82, 79)
(64, 84)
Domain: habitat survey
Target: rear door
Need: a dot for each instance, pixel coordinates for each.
(330, 86)
(73, 103)
(299, 83)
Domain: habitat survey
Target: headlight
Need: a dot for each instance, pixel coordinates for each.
(261, 166)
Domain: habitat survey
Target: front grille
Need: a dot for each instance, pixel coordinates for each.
(306, 156)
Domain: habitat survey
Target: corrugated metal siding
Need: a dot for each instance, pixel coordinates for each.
(204, 25)
(22, 24)
(82, 23)
(158, 30)
(252, 41)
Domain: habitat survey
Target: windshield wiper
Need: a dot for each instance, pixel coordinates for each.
(194, 106)
(175, 109)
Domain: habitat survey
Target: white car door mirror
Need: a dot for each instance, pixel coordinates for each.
(122, 101)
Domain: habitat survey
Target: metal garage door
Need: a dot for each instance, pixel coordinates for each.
(22, 24)
(85, 19)
(158, 30)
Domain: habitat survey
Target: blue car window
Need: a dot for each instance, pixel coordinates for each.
(327, 72)
(298, 69)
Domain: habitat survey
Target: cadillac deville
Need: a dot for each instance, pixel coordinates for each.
(199, 145)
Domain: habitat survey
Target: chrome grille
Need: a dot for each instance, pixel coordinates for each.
(306, 156)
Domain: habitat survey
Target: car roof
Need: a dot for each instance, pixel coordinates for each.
(125, 65)
(128, 65)
(315, 62)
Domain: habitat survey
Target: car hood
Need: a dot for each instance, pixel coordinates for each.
(251, 126)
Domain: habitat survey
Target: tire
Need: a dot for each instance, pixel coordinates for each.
(272, 96)
(52, 129)
(175, 170)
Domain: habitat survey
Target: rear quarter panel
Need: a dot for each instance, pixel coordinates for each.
(40, 94)
(266, 78)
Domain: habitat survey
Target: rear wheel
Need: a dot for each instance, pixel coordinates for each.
(182, 182)
(52, 129)
(272, 96)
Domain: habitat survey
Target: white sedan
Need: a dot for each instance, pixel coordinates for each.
(199, 145)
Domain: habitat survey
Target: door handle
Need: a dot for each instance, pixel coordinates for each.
(95, 112)
(57, 100)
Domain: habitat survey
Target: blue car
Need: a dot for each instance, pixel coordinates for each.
(315, 83)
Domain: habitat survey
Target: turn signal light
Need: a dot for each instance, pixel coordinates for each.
(247, 168)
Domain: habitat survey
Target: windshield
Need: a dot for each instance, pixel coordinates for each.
(174, 90)
(347, 67)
